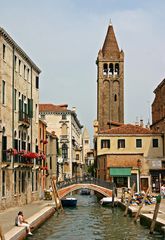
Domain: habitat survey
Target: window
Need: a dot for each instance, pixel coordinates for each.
(4, 52)
(19, 67)
(115, 98)
(155, 143)
(86, 141)
(77, 156)
(37, 82)
(121, 143)
(139, 143)
(3, 91)
(105, 143)
(28, 74)
(64, 151)
(3, 183)
(117, 69)
(111, 69)
(32, 181)
(105, 69)
(163, 164)
(50, 162)
(24, 72)
(15, 63)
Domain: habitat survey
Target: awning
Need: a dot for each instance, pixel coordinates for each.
(120, 172)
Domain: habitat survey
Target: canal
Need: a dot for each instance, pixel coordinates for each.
(90, 221)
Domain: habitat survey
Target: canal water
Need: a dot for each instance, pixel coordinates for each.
(90, 221)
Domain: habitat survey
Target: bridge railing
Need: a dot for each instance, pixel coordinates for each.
(90, 180)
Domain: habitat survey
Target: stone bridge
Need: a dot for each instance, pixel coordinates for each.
(104, 188)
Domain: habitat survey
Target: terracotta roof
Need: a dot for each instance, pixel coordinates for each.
(52, 108)
(110, 46)
(128, 129)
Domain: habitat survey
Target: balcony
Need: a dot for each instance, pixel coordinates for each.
(64, 138)
(24, 119)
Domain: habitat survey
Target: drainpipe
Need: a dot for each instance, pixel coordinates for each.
(13, 99)
(32, 110)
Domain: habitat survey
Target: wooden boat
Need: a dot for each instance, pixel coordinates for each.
(69, 202)
(108, 201)
(85, 191)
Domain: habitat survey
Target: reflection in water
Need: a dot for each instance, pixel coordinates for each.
(90, 221)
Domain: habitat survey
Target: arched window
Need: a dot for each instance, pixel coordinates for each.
(64, 151)
(117, 69)
(111, 69)
(115, 98)
(105, 69)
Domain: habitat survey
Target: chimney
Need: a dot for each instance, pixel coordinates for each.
(74, 109)
(141, 123)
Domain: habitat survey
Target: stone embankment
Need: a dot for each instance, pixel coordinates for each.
(36, 214)
(146, 215)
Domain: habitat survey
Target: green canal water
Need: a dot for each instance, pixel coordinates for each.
(90, 221)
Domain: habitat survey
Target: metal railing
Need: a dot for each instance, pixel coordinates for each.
(89, 180)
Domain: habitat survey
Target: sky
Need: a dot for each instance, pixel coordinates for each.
(63, 38)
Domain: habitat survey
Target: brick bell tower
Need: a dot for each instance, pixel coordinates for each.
(110, 82)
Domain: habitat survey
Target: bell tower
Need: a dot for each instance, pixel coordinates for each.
(110, 82)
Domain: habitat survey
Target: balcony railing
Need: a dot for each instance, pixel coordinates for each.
(24, 119)
(7, 158)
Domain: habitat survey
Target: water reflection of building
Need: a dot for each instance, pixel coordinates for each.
(68, 130)
(19, 83)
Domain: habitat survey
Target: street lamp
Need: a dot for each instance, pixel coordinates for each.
(139, 165)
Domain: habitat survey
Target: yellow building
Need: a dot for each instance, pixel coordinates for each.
(127, 154)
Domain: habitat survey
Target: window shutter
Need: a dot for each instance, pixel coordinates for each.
(30, 108)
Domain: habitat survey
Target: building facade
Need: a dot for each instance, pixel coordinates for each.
(85, 145)
(110, 82)
(19, 98)
(158, 124)
(69, 132)
(128, 154)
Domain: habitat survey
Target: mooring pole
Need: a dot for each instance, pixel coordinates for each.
(2, 237)
(129, 199)
(158, 201)
(141, 205)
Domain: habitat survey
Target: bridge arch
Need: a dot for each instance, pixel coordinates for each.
(102, 190)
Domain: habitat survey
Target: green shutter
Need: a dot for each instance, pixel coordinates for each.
(30, 108)
(120, 172)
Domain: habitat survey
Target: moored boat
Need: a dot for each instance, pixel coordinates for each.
(85, 191)
(108, 201)
(69, 202)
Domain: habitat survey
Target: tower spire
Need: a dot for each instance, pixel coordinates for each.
(110, 47)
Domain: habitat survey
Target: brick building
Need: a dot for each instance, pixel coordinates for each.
(158, 108)
(158, 124)
(110, 82)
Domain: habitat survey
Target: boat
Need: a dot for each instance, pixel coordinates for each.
(108, 201)
(69, 202)
(85, 191)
